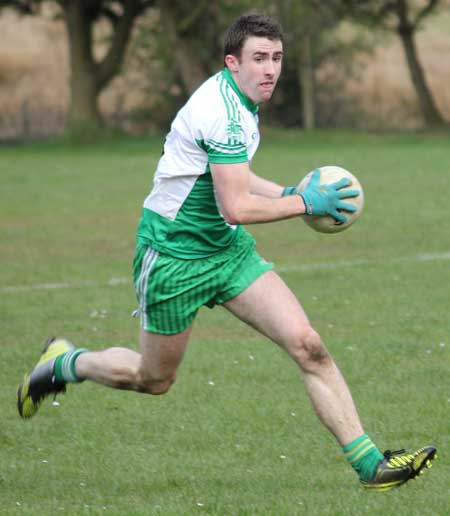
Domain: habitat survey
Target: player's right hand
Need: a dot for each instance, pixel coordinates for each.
(326, 199)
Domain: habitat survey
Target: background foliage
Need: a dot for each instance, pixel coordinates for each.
(131, 64)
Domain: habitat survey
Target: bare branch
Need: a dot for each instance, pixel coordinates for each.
(109, 14)
(186, 23)
(22, 6)
(428, 9)
(123, 25)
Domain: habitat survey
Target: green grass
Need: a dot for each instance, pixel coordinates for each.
(236, 435)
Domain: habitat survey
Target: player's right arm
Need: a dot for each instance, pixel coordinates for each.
(233, 184)
(239, 206)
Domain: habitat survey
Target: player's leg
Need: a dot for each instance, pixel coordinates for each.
(167, 313)
(153, 370)
(270, 307)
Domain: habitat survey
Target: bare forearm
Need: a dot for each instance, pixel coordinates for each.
(263, 187)
(255, 209)
(246, 198)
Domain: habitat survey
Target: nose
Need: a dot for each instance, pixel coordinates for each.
(269, 69)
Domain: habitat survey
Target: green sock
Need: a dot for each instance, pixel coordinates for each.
(65, 366)
(364, 456)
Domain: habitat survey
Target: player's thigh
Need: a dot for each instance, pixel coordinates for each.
(269, 306)
(162, 354)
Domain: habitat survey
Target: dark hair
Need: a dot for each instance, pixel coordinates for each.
(249, 25)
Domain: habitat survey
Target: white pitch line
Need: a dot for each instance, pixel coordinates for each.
(46, 286)
(321, 266)
(113, 282)
(426, 257)
(431, 257)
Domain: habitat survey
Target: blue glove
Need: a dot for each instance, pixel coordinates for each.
(289, 190)
(326, 199)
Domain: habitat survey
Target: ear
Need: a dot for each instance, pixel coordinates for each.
(232, 63)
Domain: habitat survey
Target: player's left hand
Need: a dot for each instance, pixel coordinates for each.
(321, 199)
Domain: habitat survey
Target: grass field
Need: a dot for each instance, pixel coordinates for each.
(236, 435)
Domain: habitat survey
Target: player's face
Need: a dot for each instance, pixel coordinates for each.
(257, 71)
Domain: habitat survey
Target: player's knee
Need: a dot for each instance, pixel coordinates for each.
(160, 387)
(155, 386)
(309, 351)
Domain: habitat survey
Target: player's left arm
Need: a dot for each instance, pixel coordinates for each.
(260, 186)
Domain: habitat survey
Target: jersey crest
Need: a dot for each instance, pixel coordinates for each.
(235, 132)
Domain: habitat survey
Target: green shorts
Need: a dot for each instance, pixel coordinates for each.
(170, 290)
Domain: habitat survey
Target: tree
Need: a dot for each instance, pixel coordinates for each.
(183, 23)
(312, 41)
(193, 32)
(299, 21)
(89, 76)
(405, 17)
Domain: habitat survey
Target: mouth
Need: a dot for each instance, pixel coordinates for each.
(267, 85)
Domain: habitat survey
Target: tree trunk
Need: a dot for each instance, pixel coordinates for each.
(83, 82)
(88, 77)
(191, 69)
(405, 30)
(306, 80)
(110, 66)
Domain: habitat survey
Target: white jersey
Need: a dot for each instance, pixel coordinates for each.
(181, 215)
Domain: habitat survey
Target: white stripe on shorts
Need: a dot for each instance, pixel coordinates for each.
(142, 285)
